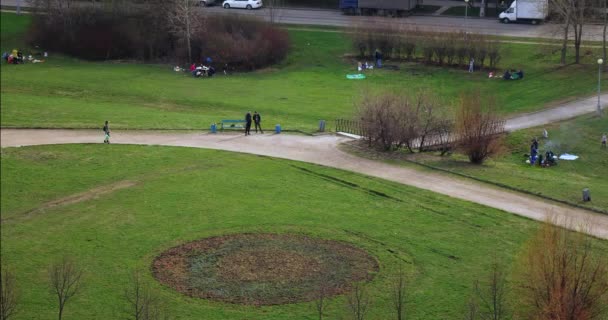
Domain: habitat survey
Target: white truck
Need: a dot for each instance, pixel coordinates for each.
(534, 11)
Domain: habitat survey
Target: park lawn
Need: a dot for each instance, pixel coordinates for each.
(12, 28)
(308, 86)
(580, 136)
(182, 194)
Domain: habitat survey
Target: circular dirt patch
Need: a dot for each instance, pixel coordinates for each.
(263, 269)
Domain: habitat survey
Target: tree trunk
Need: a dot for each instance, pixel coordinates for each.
(578, 34)
(565, 42)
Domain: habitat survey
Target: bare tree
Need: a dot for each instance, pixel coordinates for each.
(144, 303)
(399, 294)
(491, 295)
(358, 302)
(184, 20)
(64, 277)
(274, 8)
(561, 276)
(563, 14)
(321, 302)
(478, 127)
(472, 309)
(8, 294)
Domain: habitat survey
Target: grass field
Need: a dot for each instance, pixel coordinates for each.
(174, 195)
(565, 181)
(310, 85)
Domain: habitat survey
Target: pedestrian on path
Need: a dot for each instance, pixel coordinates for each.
(106, 130)
(257, 119)
(248, 123)
(604, 139)
(471, 65)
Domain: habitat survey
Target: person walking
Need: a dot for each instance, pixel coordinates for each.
(248, 123)
(471, 65)
(106, 130)
(604, 139)
(257, 119)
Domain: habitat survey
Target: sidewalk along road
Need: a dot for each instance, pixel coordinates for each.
(323, 150)
(427, 23)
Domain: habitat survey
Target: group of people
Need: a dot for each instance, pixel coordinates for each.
(15, 57)
(362, 66)
(201, 70)
(257, 119)
(513, 75)
(549, 159)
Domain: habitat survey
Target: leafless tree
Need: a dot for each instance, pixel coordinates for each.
(562, 276)
(184, 20)
(8, 294)
(563, 14)
(274, 9)
(491, 295)
(358, 302)
(478, 128)
(429, 115)
(472, 309)
(399, 294)
(321, 302)
(65, 280)
(144, 303)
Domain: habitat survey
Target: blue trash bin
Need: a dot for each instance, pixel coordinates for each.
(213, 128)
(277, 128)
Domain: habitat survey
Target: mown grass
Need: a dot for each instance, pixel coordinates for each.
(310, 85)
(184, 194)
(12, 27)
(580, 136)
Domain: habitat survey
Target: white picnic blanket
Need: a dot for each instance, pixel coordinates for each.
(567, 156)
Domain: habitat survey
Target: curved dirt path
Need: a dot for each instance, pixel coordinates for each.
(323, 150)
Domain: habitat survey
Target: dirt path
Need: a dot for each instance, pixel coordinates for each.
(324, 150)
(562, 112)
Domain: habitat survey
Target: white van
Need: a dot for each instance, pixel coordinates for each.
(534, 11)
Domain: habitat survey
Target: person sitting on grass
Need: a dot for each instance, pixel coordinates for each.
(507, 75)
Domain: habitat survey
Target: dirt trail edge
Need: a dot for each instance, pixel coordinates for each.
(324, 150)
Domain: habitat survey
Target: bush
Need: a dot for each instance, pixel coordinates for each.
(478, 128)
(431, 47)
(150, 33)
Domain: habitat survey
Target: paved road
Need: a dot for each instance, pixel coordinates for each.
(565, 111)
(335, 18)
(324, 150)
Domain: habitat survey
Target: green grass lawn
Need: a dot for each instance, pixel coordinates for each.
(12, 28)
(565, 181)
(310, 85)
(181, 194)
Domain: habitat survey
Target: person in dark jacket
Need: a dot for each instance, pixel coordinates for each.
(378, 56)
(257, 119)
(248, 123)
(106, 131)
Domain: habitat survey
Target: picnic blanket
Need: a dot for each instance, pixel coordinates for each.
(355, 76)
(567, 156)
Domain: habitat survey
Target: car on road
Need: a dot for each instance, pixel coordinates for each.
(245, 4)
(205, 3)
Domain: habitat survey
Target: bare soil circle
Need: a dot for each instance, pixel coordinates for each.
(263, 269)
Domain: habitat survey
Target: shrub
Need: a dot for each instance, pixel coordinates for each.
(433, 47)
(478, 128)
(151, 33)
